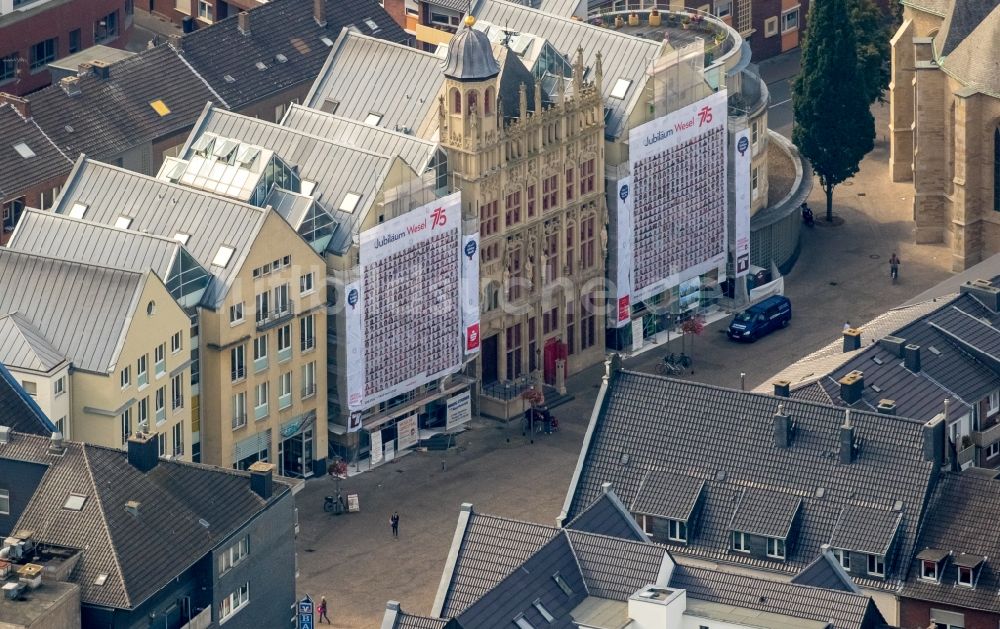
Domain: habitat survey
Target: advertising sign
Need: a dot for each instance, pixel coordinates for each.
(637, 334)
(406, 433)
(376, 447)
(407, 315)
(678, 207)
(689, 294)
(353, 506)
(470, 292)
(459, 410)
(622, 309)
(741, 221)
(305, 613)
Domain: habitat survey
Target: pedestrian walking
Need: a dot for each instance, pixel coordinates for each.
(321, 610)
(394, 522)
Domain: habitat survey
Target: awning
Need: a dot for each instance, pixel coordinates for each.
(932, 554)
(298, 425)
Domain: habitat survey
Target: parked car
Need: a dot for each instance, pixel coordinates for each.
(760, 319)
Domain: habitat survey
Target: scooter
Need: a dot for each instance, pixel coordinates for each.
(807, 215)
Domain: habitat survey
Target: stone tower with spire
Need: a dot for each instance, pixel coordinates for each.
(530, 167)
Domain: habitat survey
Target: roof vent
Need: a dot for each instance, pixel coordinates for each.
(280, 58)
(887, 407)
(228, 78)
(893, 345)
(261, 66)
(56, 445)
(132, 507)
(984, 292)
(4, 435)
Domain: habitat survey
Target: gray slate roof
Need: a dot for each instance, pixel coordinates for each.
(966, 508)
(608, 516)
(601, 566)
(279, 27)
(163, 208)
(17, 173)
(670, 496)
(962, 18)
(865, 530)
(766, 513)
(82, 311)
(970, 44)
(86, 242)
(337, 169)
(827, 573)
(622, 56)
(726, 438)
(366, 75)
(112, 115)
(18, 410)
(24, 347)
(140, 554)
(470, 56)
(415, 151)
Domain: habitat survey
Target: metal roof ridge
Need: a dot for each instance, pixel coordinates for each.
(576, 559)
(85, 265)
(44, 215)
(190, 67)
(104, 520)
(356, 123)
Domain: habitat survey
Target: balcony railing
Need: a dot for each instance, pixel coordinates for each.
(308, 343)
(270, 319)
(984, 438)
(968, 455)
(239, 373)
(239, 421)
(308, 391)
(202, 621)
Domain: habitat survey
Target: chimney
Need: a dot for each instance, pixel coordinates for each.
(984, 292)
(143, 451)
(4, 435)
(22, 105)
(56, 445)
(782, 388)
(84, 69)
(102, 69)
(911, 357)
(847, 439)
(70, 85)
(177, 42)
(887, 407)
(319, 12)
(782, 428)
(852, 386)
(852, 340)
(244, 23)
(262, 479)
(893, 344)
(934, 431)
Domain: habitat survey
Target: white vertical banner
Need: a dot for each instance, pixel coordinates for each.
(741, 226)
(637, 334)
(470, 292)
(376, 447)
(459, 410)
(406, 432)
(354, 310)
(621, 310)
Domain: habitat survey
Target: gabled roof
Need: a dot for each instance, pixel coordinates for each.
(865, 530)
(167, 209)
(646, 423)
(337, 169)
(608, 516)
(22, 346)
(961, 519)
(766, 513)
(18, 410)
(827, 573)
(622, 56)
(228, 59)
(599, 567)
(83, 311)
(111, 115)
(87, 242)
(364, 75)
(27, 156)
(185, 511)
(670, 496)
(416, 152)
(962, 18)
(968, 45)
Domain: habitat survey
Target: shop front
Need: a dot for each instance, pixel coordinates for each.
(296, 454)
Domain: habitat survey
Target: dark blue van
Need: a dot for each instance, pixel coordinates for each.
(760, 319)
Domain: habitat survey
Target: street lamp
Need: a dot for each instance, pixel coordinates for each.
(506, 407)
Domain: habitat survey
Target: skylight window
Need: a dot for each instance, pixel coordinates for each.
(203, 145)
(522, 623)
(327, 41)
(24, 150)
(541, 610)
(561, 582)
(247, 155)
(373, 119)
(261, 66)
(621, 88)
(223, 256)
(280, 58)
(370, 23)
(75, 502)
(78, 210)
(350, 202)
(160, 107)
(182, 238)
(101, 579)
(123, 222)
(176, 170)
(228, 78)
(308, 187)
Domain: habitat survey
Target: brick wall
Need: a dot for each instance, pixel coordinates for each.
(57, 22)
(914, 614)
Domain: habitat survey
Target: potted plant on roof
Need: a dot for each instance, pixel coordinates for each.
(654, 17)
(685, 22)
(619, 22)
(633, 19)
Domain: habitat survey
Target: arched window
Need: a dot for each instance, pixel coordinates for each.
(456, 101)
(472, 97)
(996, 170)
(488, 100)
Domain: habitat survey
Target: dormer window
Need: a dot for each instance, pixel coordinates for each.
(965, 576)
(928, 570)
(677, 531)
(775, 547)
(843, 557)
(740, 542)
(876, 565)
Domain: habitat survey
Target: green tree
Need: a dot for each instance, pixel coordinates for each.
(834, 128)
(872, 30)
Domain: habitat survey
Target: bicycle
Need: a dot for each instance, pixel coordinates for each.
(674, 364)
